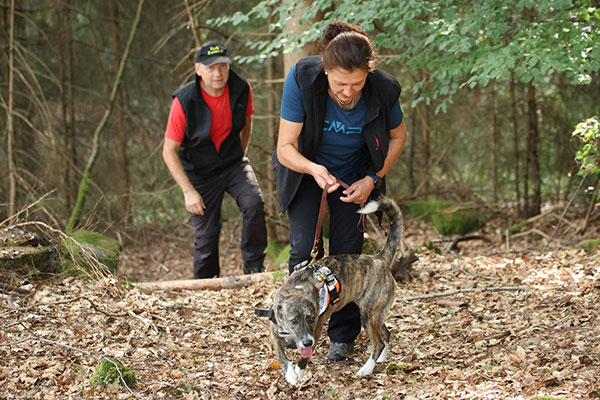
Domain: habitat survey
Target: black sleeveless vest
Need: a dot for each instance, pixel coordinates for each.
(198, 153)
(381, 91)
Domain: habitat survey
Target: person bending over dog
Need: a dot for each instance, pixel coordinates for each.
(206, 139)
(340, 118)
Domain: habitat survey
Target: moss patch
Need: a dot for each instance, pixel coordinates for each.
(107, 373)
(589, 245)
(106, 250)
(446, 222)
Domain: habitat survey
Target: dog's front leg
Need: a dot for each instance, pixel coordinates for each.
(293, 373)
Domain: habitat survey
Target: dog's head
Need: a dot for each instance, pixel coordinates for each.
(296, 309)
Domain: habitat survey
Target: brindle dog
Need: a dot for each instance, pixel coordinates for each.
(366, 280)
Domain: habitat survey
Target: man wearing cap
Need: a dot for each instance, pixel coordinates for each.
(206, 139)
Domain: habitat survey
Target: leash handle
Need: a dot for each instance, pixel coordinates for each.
(361, 221)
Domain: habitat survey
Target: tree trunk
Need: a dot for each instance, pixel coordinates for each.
(411, 157)
(271, 195)
(12, 192)
(494, 144)
(516, 151)
(119, 111)
(533, 161)
(294, 27)
(84, 184)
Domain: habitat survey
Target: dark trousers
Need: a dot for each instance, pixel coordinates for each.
(240, 182)
(344, 238)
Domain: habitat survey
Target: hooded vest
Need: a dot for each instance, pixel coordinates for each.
(198, 153)
(381, 92)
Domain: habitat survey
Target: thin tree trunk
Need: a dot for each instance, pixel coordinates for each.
(192, 23)
(270, 182)
(294, 27)
(411, 157)
(126, 185)
(83, 185)
(426, 146)
(12, 195)
(535, 206)
(516, 151)
(494, 145)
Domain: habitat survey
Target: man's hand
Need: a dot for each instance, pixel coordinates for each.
(323, 177)
(359, 191)
(194, 202)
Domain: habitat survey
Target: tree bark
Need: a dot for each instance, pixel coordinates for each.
(122, 133)
(12, 195)
(294, 28)
(83, 185)
(494, 144)
(271, 197)
(516, 152)
(534, 207)
(229, 282)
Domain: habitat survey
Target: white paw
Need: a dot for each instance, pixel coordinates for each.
(293, 374)
(366, 369)
(383, 356)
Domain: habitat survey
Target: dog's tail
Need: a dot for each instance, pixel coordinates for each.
(391, 209)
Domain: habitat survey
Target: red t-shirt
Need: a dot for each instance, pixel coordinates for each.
(221, 117)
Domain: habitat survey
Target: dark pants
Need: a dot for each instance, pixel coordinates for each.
(344, 238)
(240, 182)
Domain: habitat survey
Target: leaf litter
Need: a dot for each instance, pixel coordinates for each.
(544, 341)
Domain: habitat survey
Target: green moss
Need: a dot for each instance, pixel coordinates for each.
(457, 223)
(284, 255)
(277, 275)
(424, 208)
(394, 366)
(548, 398)
(589, 245)
(517, 227)
(107, 373)
(106, 250)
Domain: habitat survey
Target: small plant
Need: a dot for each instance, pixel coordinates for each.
(588, 132)
(110, 371)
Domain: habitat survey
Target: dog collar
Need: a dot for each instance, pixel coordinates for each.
(329, 291)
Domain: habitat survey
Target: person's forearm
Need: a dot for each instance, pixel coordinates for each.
(245, 134)
(176, 168)
(394, 150)
(289, 156)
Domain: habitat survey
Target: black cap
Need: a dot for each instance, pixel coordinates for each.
(211, 53)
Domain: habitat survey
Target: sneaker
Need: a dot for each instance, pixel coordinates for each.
(254, 270)
(290, 344)
(340, 351)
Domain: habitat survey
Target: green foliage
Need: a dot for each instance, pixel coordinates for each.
(424, 208)
(106, 250)
(108, 373)
(588, 132)
(459, 42)
(277, 254)
(393, 367)
(516, 228)
(589, 245)
(459, 222)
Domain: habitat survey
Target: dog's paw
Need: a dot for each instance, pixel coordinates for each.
(367, 369)
(383, 356)
(293, 374)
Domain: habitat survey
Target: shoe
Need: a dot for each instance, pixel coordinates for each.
(254, 270)
(290, 344)
(340, 351)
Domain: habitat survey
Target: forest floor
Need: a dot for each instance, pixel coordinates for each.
(542, 342)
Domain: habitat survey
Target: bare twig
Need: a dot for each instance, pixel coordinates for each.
(457, 291)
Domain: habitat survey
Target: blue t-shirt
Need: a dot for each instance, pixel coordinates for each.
(342, 149)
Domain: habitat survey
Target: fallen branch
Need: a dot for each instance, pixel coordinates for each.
(453, 292)
(228, 282)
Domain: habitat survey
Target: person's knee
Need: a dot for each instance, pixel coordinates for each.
(252, 205)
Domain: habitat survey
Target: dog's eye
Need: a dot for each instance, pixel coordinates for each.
(310, 320)
(294, 321)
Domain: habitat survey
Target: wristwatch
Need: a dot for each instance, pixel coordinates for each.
(375, 178)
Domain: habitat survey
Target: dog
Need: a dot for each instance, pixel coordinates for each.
(313, 292)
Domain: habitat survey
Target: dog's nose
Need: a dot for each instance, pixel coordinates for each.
(307, 342)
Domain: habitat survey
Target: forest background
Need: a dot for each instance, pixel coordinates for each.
(500, 99)
(492, 91)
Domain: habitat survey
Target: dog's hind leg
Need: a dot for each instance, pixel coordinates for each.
(376, 334)
(386, 340)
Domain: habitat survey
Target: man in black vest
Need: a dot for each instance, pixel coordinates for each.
(206, 139)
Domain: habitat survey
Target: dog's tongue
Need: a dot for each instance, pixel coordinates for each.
(305, 352)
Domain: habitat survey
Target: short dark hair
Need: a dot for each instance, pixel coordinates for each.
(347, 46)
